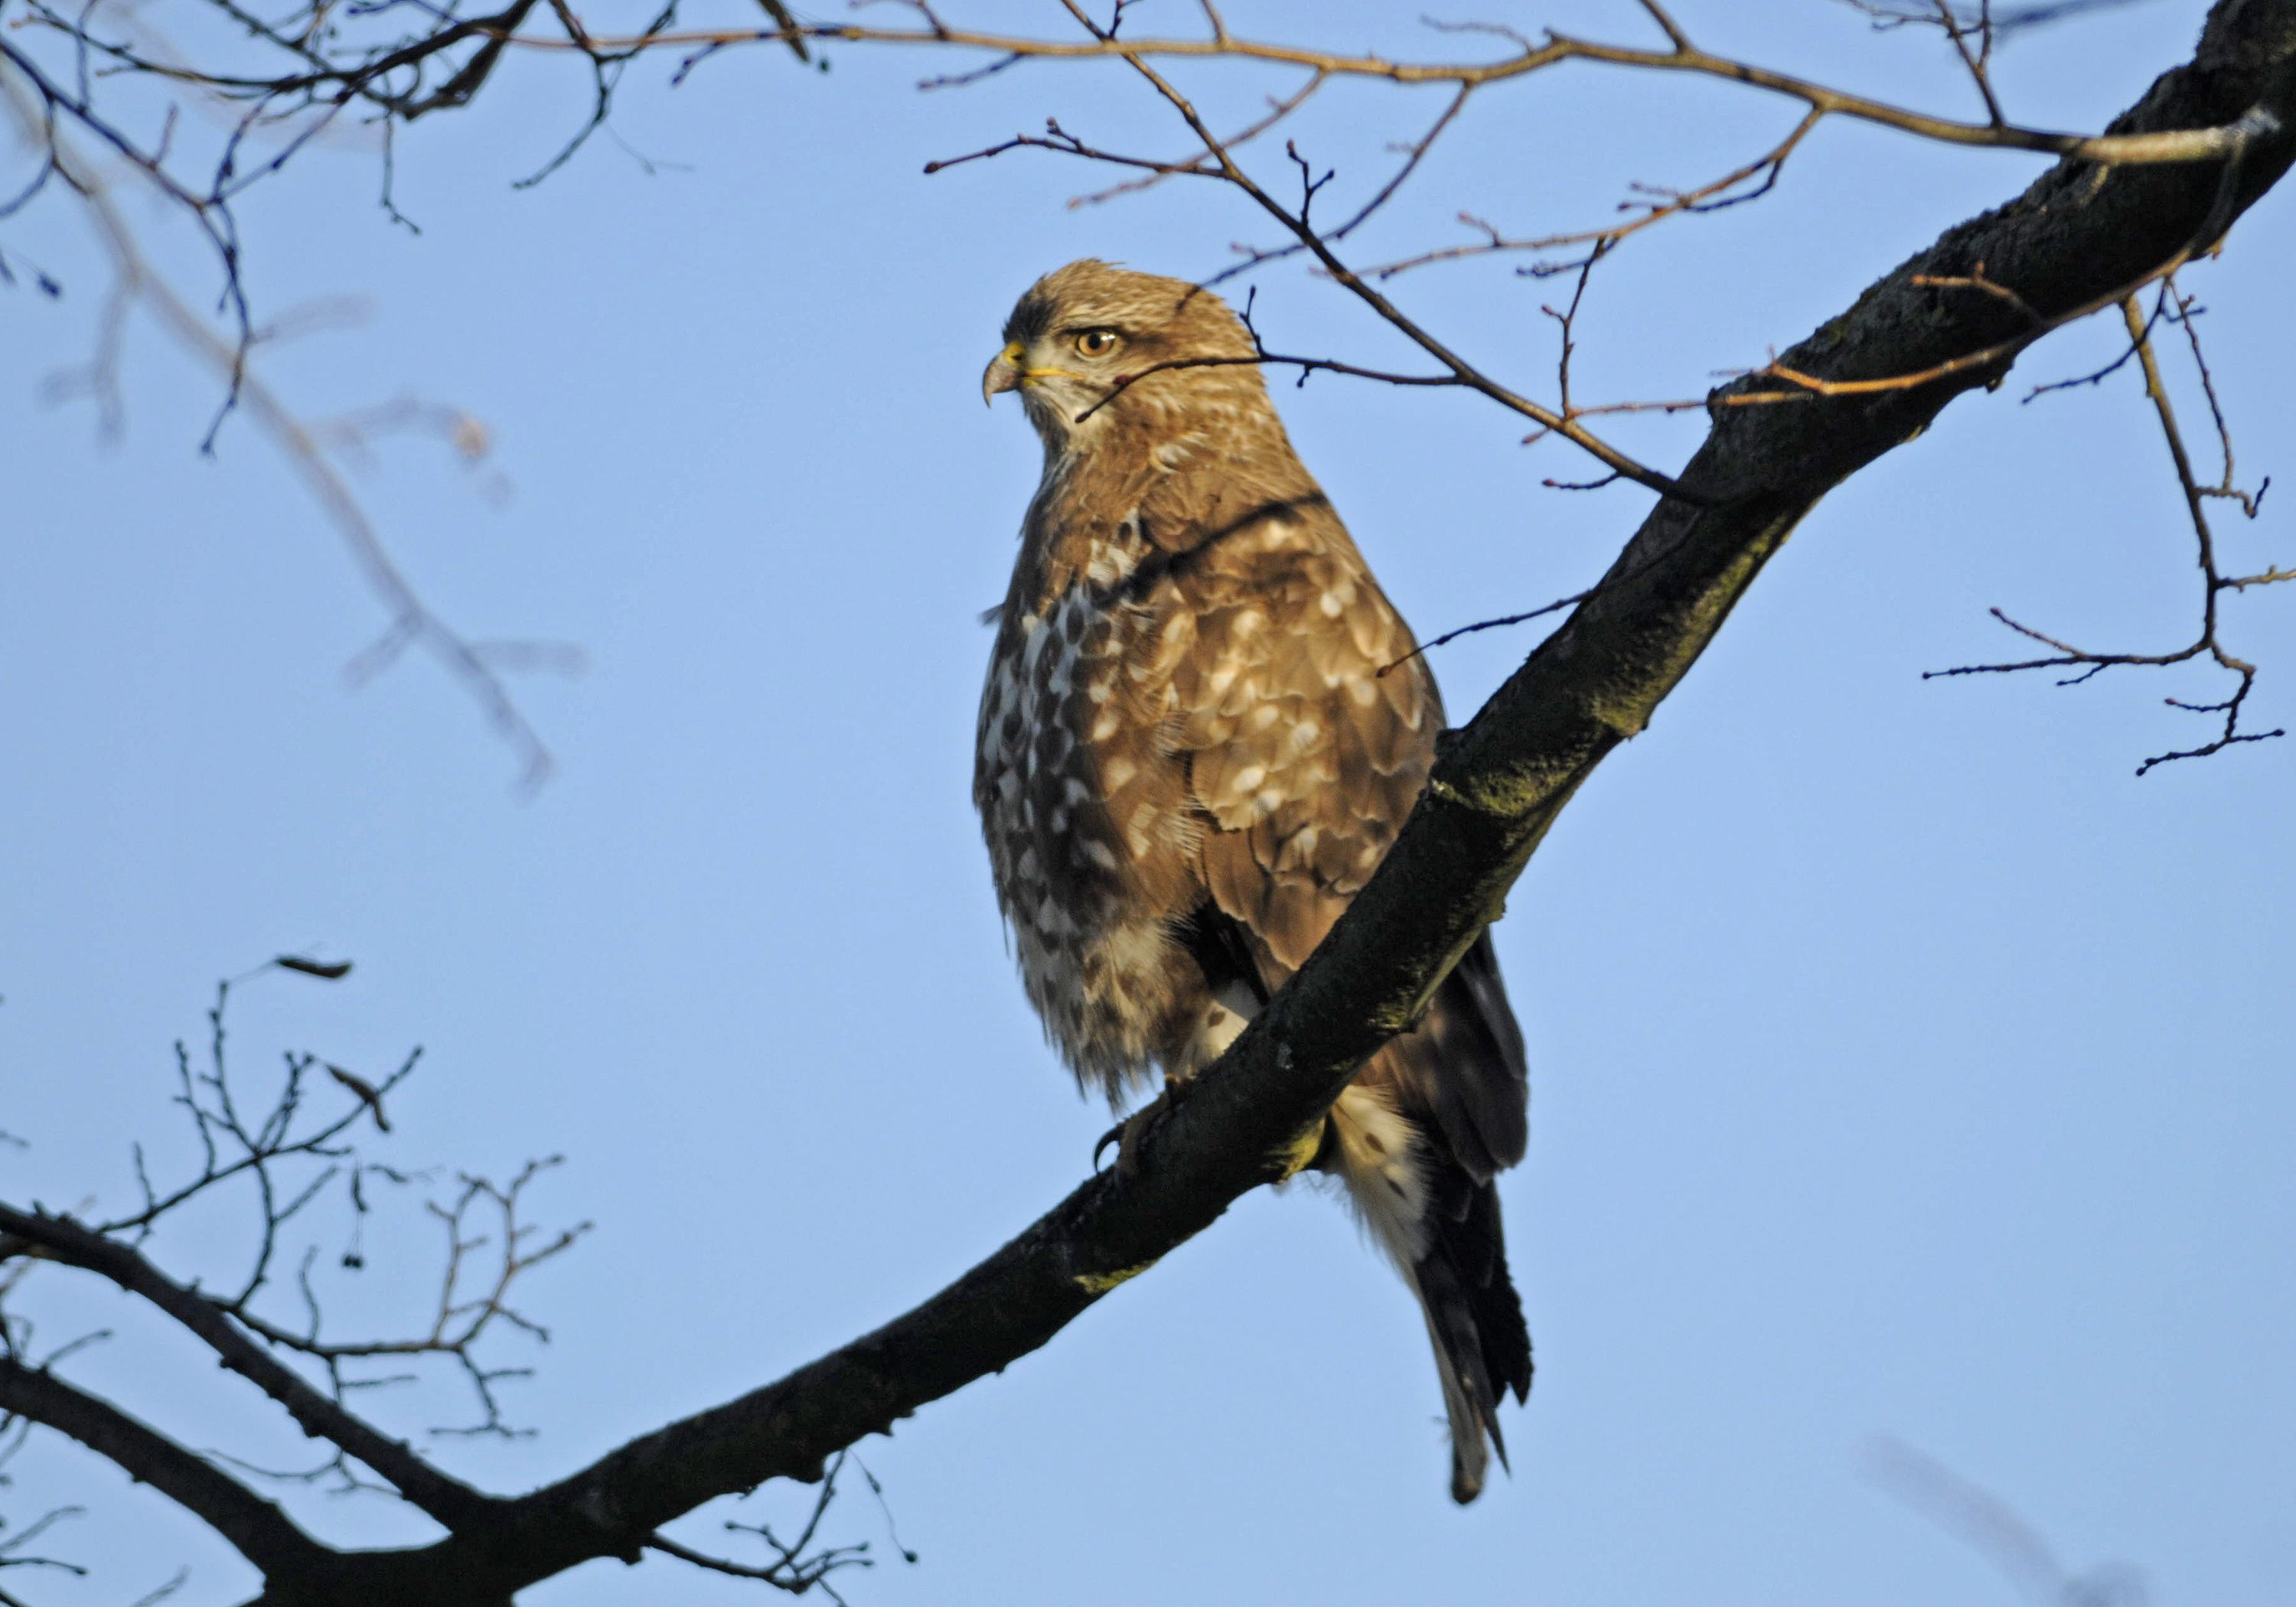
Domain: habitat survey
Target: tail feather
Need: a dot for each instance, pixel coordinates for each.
(1458, 1362)
(1441, 1227)
(1474, 1319)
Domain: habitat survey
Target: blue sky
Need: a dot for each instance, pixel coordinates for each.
(1901, 1065)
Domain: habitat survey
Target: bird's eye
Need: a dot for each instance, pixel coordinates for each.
(1097, 342)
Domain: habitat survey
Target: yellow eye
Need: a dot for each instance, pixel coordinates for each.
(1097, 342)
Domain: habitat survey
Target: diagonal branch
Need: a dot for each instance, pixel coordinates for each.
(452, 1503)
(256, 1529)
(1497, 786)
(412, 622)
(1652, 204)
(1319, 246)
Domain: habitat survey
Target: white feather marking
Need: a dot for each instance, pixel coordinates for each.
(1222, 1023)
(1378, 1155)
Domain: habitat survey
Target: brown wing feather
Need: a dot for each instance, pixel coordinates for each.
(1306, 761)
(1304, 758)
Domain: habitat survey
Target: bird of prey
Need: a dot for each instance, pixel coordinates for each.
(1189, 762)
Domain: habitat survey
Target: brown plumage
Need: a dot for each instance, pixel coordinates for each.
(1188, 764)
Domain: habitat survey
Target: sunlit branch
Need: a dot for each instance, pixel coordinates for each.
(2086, 665)
(1750, 181)
(2181, 145)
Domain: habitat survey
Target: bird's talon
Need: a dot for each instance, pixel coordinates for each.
(1114, 1136)
(1125, 1134)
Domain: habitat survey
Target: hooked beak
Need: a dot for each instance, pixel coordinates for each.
(1004, 372)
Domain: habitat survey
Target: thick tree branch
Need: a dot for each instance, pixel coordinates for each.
(59, 1239)
(2080, 233)
(256, 1529)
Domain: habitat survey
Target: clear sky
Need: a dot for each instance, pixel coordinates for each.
(1901, 1065)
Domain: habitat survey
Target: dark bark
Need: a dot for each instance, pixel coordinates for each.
(258, 1530)
(2078, 237)
(59, 1239)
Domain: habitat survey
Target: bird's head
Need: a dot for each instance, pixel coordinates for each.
(1087, 346)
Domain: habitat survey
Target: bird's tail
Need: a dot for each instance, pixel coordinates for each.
(1441, 1228)
(1474, 1318)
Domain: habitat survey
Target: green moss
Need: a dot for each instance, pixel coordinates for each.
(1101, 1283)
(1291, 1158)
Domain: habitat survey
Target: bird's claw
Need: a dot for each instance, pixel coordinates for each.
(1121, 1136)
(1126, 1134)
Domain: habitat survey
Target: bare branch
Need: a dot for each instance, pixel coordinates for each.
(256, 1529)
(796, 1566)
(16, 1549)
(263, 1153)
(412, 622)
(1953, 319)
(1988, 1526)
(2170, 146)
(1299, 226)
(1716, 195)
(1496, 786)
(2087, 665)
(61, 1240)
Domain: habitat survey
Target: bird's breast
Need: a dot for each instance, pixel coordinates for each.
(1084, 806)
